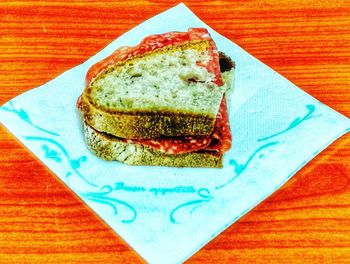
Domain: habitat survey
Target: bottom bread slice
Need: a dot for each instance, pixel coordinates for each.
(112, 148)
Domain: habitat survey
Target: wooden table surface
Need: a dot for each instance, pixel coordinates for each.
(306, 221)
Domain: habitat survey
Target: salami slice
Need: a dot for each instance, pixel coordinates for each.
(221, 137)
(175, 145)
(154, 42)
(219, 141)
(79, 103)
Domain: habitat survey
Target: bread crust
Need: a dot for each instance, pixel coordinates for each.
(111, 148)
(146, 124)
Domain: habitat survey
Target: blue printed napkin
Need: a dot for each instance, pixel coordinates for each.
(167, 214)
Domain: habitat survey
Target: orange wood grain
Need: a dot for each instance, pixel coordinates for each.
(306, 221)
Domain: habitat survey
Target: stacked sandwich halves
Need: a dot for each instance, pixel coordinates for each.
(161, 102)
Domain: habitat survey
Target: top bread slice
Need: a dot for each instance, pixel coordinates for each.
(164, 92)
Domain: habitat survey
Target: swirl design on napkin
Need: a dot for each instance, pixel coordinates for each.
(296, 122)
(25, 117)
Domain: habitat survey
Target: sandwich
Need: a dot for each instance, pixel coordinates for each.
(161, 103)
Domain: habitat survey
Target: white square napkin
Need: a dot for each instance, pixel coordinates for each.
(167, 214)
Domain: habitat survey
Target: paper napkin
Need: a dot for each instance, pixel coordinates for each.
(167, 214)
